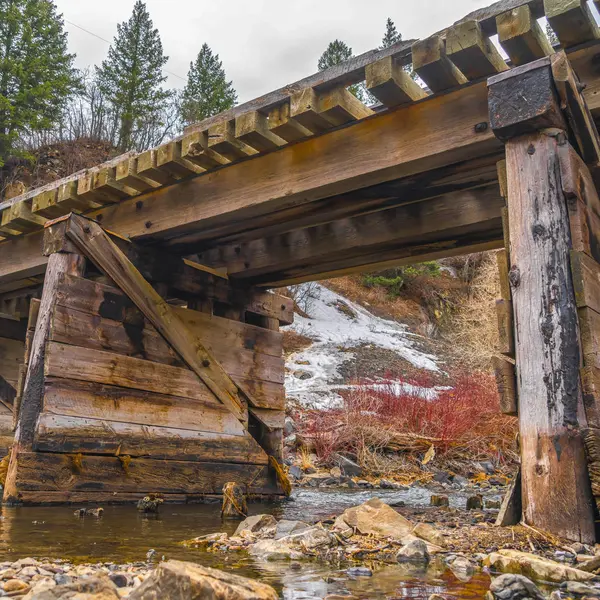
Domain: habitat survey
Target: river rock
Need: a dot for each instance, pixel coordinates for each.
(475, 502)
(359, 572)
(15, 585)
(274, 550)
(289, 426)
(175, 580)
(89, 588)
(295, 472)
(285, 528)
(462, 567)
(514, 587)
(429, 534)
(535, 567)
(311, 538)
(374, 517)
(581, 589)
(415, 551)
(256, 524)
(439, 500)
(347, 466)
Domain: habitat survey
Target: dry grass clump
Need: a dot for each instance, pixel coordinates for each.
(391, 427)
(294, 342)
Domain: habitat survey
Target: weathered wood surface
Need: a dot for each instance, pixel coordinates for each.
(11, 357)
(234, 501)
(391, 84)
(103, 473)
(556, 492)
(572, 21)
(506, 382)
(66, 434)
(433, 66)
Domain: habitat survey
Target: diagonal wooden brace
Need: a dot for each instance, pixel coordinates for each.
(94, 243)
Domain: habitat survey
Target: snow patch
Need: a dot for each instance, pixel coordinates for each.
(337, 326)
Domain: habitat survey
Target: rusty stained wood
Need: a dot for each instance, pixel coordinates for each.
(556, 493)
(473, 52)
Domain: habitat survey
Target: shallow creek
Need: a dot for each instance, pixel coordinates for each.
(123, 535)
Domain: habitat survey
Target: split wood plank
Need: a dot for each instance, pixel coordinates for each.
(126, 172)
(92, 240)
(506, 338)
(572, 21)
(111, 403)
(87, 192)
(473, 52)
(391, 84)
(105, 184)
(194, 147)
(506, 381)
(62, 474)
(20, 218)
(222, 140)
(521, 36)
(147, 168)
(283, 126)
(169, 159)
(433, 66)
(66, 434)
(69, 197)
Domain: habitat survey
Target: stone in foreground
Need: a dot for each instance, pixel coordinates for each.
(92, 588)
(176, 580)
(255, 524)
(514, 587)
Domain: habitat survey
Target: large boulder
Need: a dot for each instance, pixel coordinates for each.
(514, 587)
(535, 567)
(255, 524)
(88, 588)
(374, 517)
(176, 580)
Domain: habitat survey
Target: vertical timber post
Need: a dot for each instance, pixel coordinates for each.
(556, 495)
(64, 259)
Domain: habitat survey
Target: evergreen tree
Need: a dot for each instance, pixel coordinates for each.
(36, 71)
(131, 77)
(337, 52)
(391, 36)
(207, 92)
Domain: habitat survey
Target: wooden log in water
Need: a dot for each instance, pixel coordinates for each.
(234, 501)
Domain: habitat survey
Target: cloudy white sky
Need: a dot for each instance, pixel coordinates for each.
(264, 44)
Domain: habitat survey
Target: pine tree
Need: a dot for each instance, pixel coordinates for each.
(207, 92)
(131, 77)
(337, 52)
(36, 71)
(391, 36)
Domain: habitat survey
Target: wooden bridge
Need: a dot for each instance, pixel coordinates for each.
(139, 342)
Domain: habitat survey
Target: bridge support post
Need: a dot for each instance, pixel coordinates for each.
(556, 492)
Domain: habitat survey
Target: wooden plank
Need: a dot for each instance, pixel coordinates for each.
(418, 137)
(103, 473)
(194, 147)
(258, 260)
(65, 434)
(14, 330)
(506, 338)
(7, 395)
(88, 193)
(20, 218)
(503, 270)
(433, 66)
(110, 403)
(11, 357)
(98, 247)
(391, 84)
(84, 364)
(589, 324)
(147, 168)
(590, 379)
(46, 205)
(70, 199)
(222, 140)
(556, 493)
(592, 446)
(586, 280)
(108, 187)
(512, 508)
(472, 52)
(283, 126)
(521, 36)
(252, 128)
(141, 340)
(169, 159)
(506, 381)
(572, 21)
(319, 112)
(273, 419)
(126, 172)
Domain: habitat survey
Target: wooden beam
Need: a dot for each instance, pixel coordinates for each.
(253, 129)
(506, 381)
(222, 140)
(194, 147)
(20, 218)
(521, 36)
(126, 172)
(169, 159)
(572, 21)
(391, 84)
(95, 244)
(283, 126)
(473, 52)
(147, 167)
(434, 67)
(556, 493)
(430, 134)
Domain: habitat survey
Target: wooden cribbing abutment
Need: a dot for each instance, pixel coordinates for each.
(556, 491)
(192, 399)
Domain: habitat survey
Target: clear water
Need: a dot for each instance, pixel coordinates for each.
(124, 535)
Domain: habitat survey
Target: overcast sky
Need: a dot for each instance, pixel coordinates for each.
(264, 44)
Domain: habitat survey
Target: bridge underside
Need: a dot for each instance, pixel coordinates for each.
(140, 348)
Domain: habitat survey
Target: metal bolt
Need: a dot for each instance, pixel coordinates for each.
(148, 224)
(206, 363)
(531, 150)
(139, 205)
(481, 127)
(86, 229)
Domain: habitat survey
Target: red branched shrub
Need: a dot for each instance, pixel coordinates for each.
(407, 417)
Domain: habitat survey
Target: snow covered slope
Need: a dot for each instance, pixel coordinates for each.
(338, 328)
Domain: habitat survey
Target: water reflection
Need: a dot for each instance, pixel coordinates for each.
(124, 535)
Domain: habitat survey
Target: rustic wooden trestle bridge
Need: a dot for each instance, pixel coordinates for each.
(139, 342)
